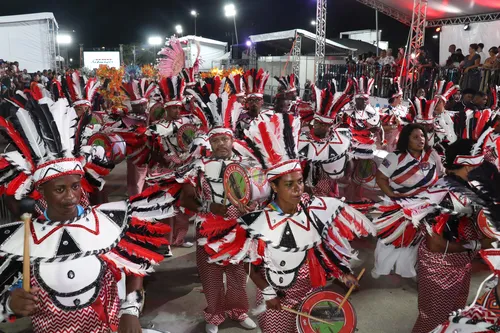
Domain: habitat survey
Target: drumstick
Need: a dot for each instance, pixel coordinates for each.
(26, 218)
(350, 290)
(305, 315)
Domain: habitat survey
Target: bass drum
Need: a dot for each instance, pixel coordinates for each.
(365, 171)
(323, 305)
(185, 136)
(244, 183)
(114, 145)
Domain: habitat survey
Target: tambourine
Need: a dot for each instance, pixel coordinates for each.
(244, 183)
(485, 226)
(114, 145)
(185, 136)
(324, 305)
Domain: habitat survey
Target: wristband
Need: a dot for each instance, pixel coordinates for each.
(269, 293)
(473, 245)
(7, 309)
(132, 304)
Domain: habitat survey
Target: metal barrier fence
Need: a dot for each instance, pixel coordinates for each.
(425, 78)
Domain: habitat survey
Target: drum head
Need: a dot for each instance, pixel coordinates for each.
(364, 171)
(323, 305)
(113, 145)
(486, 227)
(185, 136)
(237, 184)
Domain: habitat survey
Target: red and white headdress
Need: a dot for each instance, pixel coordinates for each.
(48, 142)
(217, 108)
(255, 82)
(77, 91)
(423, 110)
(235, 82)
(138, 91)
(395, 90)
(363, 87)
(329, 104)
(288, 84)
(445, 92)
(172, 90)
(276, 141)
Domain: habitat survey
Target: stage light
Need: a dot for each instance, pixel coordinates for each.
(155, 40)
(230, 10)
(64, 39)
(249, 43)
(438, 29)
(413, 55)
(466, 27)
(435, 36)
(178, 29)
(313, 22)
(194, 13)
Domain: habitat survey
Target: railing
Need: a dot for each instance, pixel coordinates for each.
(425, 78)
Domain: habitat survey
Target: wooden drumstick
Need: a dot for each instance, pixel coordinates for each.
(306, 315)
(26, 218)
(350, 291)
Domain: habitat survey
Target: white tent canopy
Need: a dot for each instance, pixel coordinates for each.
(28, 17)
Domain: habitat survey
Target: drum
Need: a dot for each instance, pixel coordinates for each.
(114, 145)
(244, 183)
(365, 170)
(323, 305)
(486, 227)
(185, 136)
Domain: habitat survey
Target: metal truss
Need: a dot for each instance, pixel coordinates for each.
(252, 56)
(417, 37)
(388, 10)
(464, 19)
(296, 52)
(319, 59)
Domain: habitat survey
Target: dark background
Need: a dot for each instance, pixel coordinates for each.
(109, 23)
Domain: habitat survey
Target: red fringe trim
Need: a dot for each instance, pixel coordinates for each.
(232, 248)
(153, 228)
(16, 183)
(440, 223)
(317, 274)
(213, 226)
(139, 251)
(155, 241)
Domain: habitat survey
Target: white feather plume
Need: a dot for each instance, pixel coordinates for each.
(29, 128)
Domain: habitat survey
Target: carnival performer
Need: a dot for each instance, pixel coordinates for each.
(411, 169)
(393, 118)
(478, 117)
(288, 90)
(444, 124)
(323, 151)
(489, 144)
(483, 315)
(254, 83)
(76, 254)
(297, 241)
(444, 260)
(79, 93)
(203, 193)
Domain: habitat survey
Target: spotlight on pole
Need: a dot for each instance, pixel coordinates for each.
(313, 22)
(466, 27)
(438, 29)
(155, 40)
(249, 43)
(64, 39)
(194, 13)
(230, 10)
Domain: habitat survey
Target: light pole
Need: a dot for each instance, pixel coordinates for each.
(178, 30)
(230, 11)
(195, 14)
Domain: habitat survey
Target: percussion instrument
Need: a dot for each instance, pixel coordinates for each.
(365, 170)
(244, 183)
(185, 136)
(324, 305)
(486, 227)
(114, 145)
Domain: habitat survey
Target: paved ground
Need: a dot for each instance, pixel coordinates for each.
(174, 301)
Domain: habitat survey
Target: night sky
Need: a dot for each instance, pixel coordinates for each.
(109, 23)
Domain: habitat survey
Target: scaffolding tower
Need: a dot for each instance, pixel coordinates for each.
(319, 59)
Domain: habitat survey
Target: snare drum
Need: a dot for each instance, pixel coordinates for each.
(365, 171)
(486, 227)
(323, 305)
(114, 145)
(244, 183)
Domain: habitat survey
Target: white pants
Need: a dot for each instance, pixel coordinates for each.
(401, 260)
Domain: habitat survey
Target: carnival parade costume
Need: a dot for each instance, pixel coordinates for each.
(75, 263)
(324, 159)
(392, 119)
(295, 253)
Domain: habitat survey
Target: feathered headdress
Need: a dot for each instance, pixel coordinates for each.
(77, 91)
(48, 142)
(189, 74)
(446, 91)
(288, 84)
(329, 104)
(423, 110)
(255, 82)
(234, 84)
(363, 87)
(172, 90)
(138, 91)
(476, 122)
(173, 59)
(132, 72)
(274, 141)
(218, 109)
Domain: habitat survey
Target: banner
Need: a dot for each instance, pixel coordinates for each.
(94, 59)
